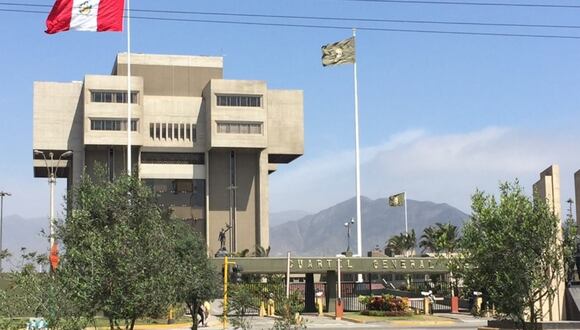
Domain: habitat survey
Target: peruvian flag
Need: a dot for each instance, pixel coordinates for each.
(85, 15)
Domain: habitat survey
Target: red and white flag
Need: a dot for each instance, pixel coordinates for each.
(85, 15)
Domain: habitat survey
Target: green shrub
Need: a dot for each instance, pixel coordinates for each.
(385, 303)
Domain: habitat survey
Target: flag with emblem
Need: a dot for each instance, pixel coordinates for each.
(397, 200)
(85, 15)
(342, 52)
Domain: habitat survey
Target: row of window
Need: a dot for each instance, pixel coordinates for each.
(239, 101)
(172, 158)
(112, 97)
(172, 131)
(112, 124)
(239, 128)
(222, 100)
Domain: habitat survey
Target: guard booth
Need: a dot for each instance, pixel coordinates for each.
(329, 268)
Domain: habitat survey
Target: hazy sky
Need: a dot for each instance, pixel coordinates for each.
(440, 114)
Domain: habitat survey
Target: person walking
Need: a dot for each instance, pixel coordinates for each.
(206, 311)
(201, 313)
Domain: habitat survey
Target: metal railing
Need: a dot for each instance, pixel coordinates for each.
(350, 292)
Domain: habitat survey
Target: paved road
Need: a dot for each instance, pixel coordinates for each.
(314, 322)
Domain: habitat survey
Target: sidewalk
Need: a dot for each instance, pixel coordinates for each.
(439, 319)
(349, 321)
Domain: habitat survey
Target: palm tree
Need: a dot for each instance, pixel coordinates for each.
(429, 240)
(448, 238)
(404, 243)
(440, 238)
(395, 244)
(242, 254)
(261, 251)
(410, 242)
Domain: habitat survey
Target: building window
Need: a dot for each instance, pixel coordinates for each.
(173, 131)
(239, 128)
(172, 158)
(112, 97)
(186, 197)
(112, 125)
(239, 101)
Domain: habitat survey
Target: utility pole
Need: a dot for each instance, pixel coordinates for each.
(51, 171)
(2, 195)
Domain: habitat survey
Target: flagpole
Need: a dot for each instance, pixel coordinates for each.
(357, 160)
(129, 98)
(406, 226)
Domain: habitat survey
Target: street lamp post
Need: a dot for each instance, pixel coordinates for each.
(2, 195)
(347, 225)
(51, 173)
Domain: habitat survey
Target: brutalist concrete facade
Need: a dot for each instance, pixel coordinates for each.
(205, 144)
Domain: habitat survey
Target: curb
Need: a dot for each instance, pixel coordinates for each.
(161, 326)
(345, 318)
(421, 323)
(353, 320)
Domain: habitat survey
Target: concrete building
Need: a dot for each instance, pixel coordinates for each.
(548, 188)
(205, 144)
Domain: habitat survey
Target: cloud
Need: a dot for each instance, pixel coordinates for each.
(443, 168)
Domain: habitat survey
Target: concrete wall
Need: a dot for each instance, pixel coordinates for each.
(171, 75)
(171, 171)
(175, 110)
(548, 188)
(247, 218)
(285, 122)
(57, 122)
(218, 114)
(94, 110)
(219, 202)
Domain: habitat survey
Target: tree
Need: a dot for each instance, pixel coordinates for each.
(404, 243)
(118, 249)
(196, 280)
(261, 252)
(429, 240)
(512, 252)
(569, 234)
(40, 294)
(440, 238)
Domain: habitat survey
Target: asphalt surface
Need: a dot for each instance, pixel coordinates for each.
(459, 322)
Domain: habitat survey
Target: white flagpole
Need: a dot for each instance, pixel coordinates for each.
(357, 161)
(129, 87)
(405, 199)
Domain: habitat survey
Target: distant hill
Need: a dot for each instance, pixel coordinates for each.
(324, 234)
(20, 232)
(278, 218)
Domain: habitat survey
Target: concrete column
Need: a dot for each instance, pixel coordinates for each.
(309, 298)
(262, 209)
(331, 281)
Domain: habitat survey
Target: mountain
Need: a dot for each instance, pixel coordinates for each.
(278, 218)
(324, 234)
(18, 232)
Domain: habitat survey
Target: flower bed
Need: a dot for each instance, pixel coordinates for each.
(385, 305)
(386, 313)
